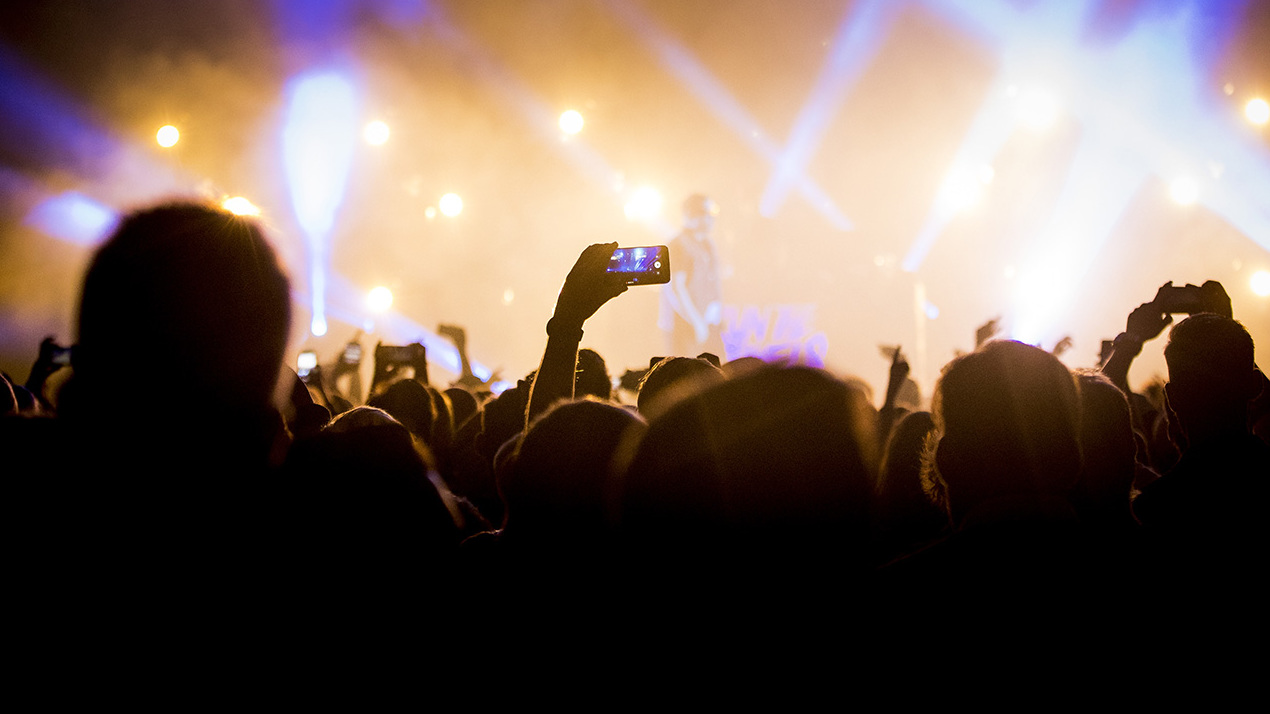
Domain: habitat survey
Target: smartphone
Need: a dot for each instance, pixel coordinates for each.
(642, 265)
(1180, 298)
(62, 355)
(395, 354)
(305, 363)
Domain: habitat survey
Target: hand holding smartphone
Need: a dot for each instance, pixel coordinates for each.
(642, 265)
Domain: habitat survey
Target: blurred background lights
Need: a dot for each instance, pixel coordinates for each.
(451, 204)
(430, 212)
(1257, 111)
(571, 122)
(240, 206)
(1037, 109)
(379, 299)
(644, 204)
(167, 136)
(1184, 190)
(376, 133)
(1260, 283)
(509, 295)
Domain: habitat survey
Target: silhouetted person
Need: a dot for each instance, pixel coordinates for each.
(1211, 507)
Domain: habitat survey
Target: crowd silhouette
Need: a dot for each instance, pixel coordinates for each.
(166, 471)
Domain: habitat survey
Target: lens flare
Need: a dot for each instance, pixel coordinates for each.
(1257, 111)
(1184, 190)
(240, 206)
(644, 204)
(451, 204)
(167, 136)
(571, 122)
(379, 299)
(1260, 283)
(376, 133)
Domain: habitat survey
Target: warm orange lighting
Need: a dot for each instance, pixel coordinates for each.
(645, 204)
(1257, 111)
(167, 136)
(571, 122)
(451, 204)
(240, 206)
(376, 133)
(1260, 283)
(379, 299)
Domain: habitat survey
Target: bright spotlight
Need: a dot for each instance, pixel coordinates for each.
(1260, 283)
(167, 136)
(1257, 111)
(508, 296)
(318, 326)
(1037, 110)
(430, 212)
(644, 204)
(376, 133)
(379, 299)
(240, 206)
(1184, 190)
(571, 122)
(962, 191)
(451, 204)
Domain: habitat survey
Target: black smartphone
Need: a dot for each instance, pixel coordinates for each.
(642, 265)
(1181, 298)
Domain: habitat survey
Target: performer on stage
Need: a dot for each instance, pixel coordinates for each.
(690, 304)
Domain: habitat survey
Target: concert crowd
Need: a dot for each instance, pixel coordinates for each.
(176, 469)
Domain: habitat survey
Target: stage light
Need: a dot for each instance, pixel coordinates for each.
(318, 141)
(1260, 283)
(571, 122)
(962, 191)
(376, 133)
(430, 212)
(1037, 110)
(72, 217)
(1257, 111)
(1184, 190)
(167, 136)
(508, 296)
(379, 299)
(451, 204)
(240, 206)
(644, 204)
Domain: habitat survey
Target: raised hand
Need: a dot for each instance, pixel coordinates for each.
(588, 285)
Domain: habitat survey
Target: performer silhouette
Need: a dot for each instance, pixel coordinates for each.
(690, 304)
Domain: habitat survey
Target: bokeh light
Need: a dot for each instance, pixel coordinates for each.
(1257, 111)
(376, 133)
(571, 122)
(167, 136)
(1037, 109)
(644, 204)
(240, 206)
(1184, 190)
(1260, 283)
(451, 204)
(379, 299)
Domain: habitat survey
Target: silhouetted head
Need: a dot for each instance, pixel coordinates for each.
(1007, 415)
(1212, 374)
(1107, 445)
(671, 381)
(773, 457)
(565, 466)
(188, 300)
(592, 376)
(410, 403)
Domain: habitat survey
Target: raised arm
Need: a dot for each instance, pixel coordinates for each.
(587, 287)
